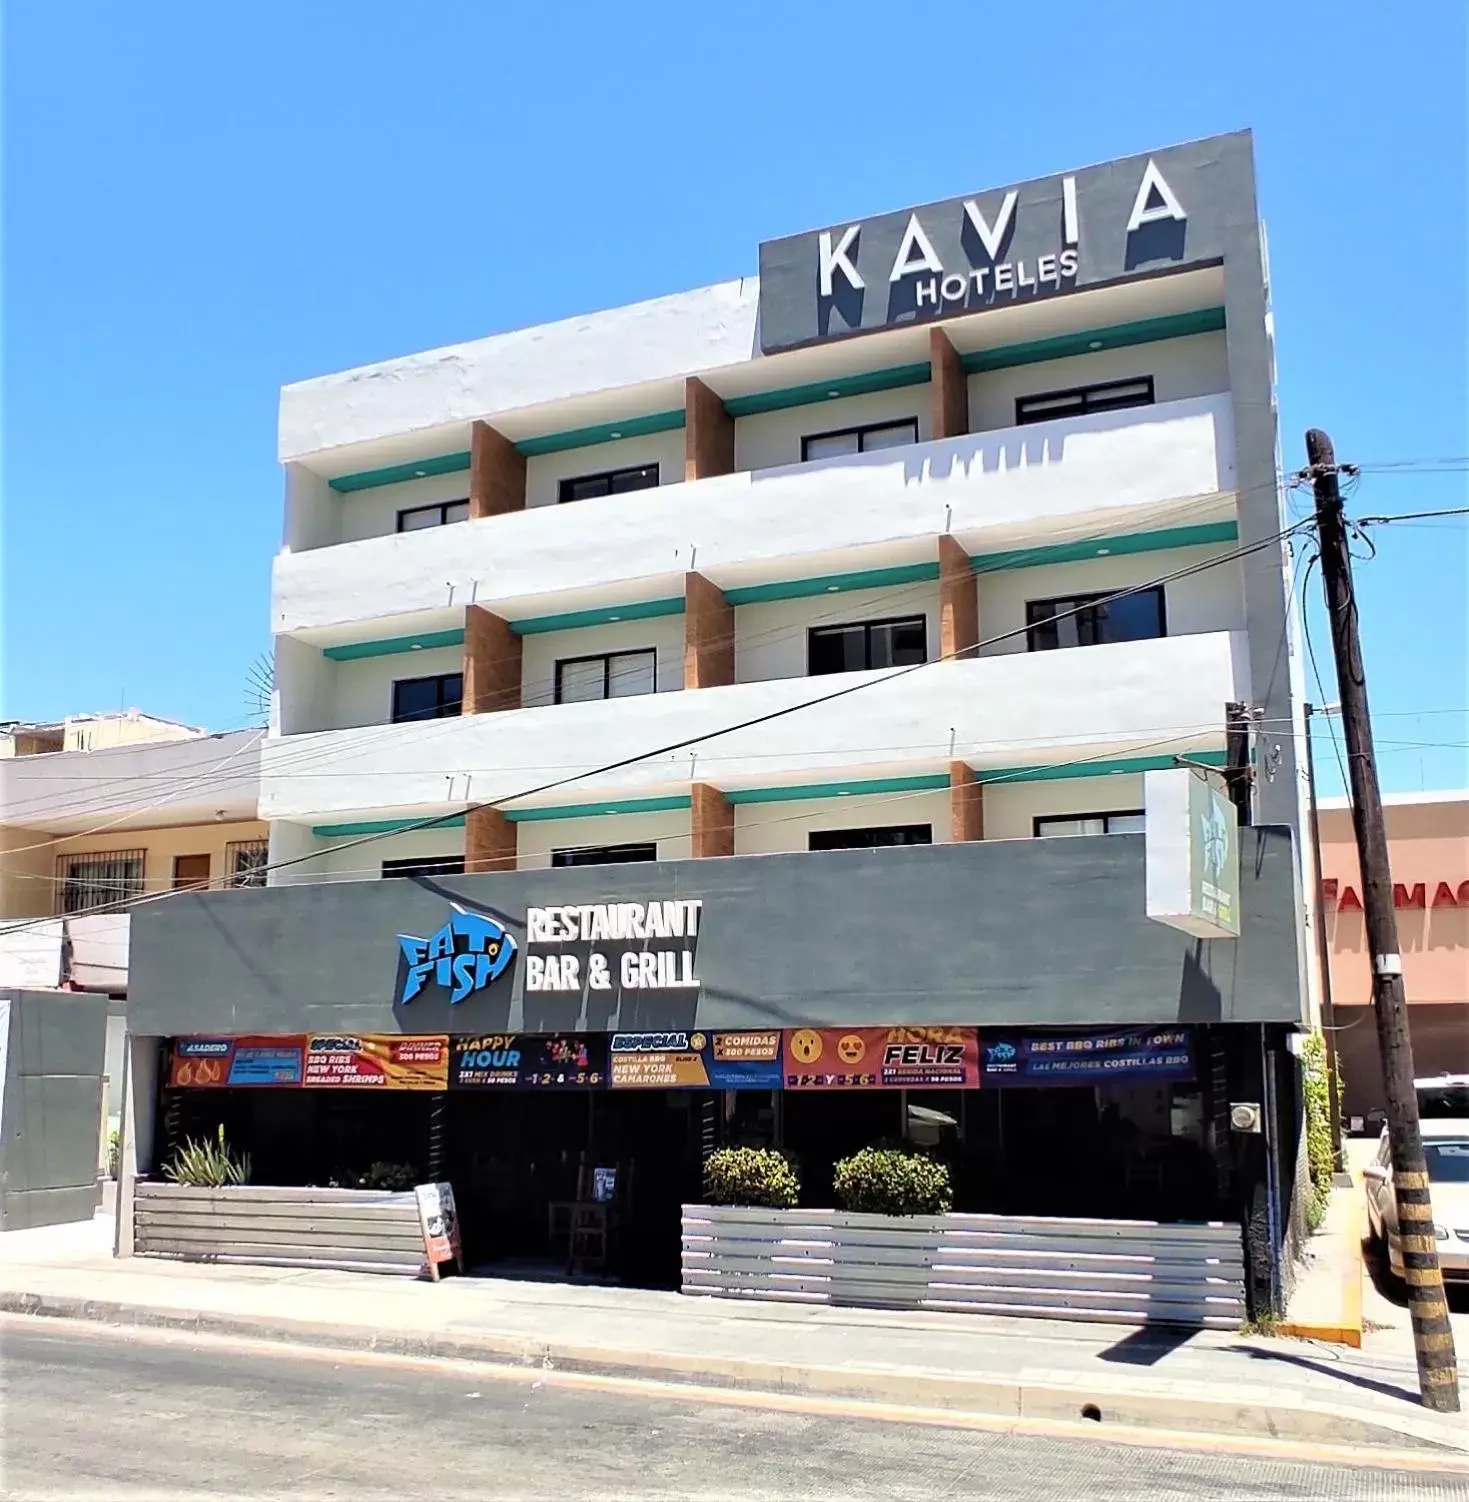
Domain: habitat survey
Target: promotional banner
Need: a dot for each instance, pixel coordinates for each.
(360, 1060)
(530, 1061)
(236, 1061)
(438, 1219)
(878, 1058)
(696, 1060)
(1132, 1056)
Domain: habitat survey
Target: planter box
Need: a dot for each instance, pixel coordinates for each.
(1131, 1272)
(359, 1230)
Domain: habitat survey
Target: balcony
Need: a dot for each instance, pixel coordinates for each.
(1014, 709)
(1125, 471)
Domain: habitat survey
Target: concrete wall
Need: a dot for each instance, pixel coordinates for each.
(669, 830)
(1010, 810)
(374, 513)
(545, 472)
(767, 828)
(771, 638)
(543, 649)
(51, 1113)
(1038, 932)
(770, 439)
(362, 687)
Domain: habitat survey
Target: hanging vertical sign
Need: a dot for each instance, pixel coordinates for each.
(1192, 845)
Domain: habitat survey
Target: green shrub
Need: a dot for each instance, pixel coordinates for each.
(208, 1164)
(892, 1181)
(114, 1154)
(750, 1176)
(1320, 1150)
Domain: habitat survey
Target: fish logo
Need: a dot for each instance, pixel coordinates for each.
(1214, 834)
(467, 954)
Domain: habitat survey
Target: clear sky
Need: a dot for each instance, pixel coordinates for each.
(202, 202)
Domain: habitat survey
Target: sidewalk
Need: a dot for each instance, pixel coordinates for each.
(1327, 1302)
(1204, 1381)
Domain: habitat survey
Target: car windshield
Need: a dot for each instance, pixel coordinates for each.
(1448, 1162)
(1439, 1102)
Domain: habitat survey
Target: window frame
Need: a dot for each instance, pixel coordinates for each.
(859, 433)
(233, 850)
(815, 834)
(609, 475)
(424, 865)
(441, 507)
(1087, 407)
(129, 888)
(1105, 815)
(605, 658)
(1089, 599)
(812, 632)
(559, 864)
(443, 714)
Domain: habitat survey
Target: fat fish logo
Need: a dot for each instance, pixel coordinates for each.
(467, 954)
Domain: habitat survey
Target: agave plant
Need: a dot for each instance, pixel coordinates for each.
(207, 1163)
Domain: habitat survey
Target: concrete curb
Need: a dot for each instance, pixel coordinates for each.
(1346, 1329)
(1302, 1420)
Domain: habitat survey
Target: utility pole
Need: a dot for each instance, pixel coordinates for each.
(1433, 1337)
(1323, 952)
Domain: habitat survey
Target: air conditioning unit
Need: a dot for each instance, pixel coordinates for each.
(1244, 1116)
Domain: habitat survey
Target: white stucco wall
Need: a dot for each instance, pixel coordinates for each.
(545, 472)
(669, 830)
(362, 687)
(543, 649)
(374, 513)
(769, 439)
(773, 828)
(1010, 809)
(1180, 368)
(771, 638)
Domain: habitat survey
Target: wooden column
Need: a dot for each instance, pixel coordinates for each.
(958, 601)
(709, 433)
(711, 822)
(950, 387)
(496, 473)
(492, 663)
(966, 803)
(489, 841)
(708, 634)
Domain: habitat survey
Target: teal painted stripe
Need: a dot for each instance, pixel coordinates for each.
(892, 378)
(381, 826)
(799, 589)
(572, 620)
(603, 432)
(1107, 547)
(799, 792)
(1066, 771)
(396, 474)
(390, 646)
(594, 810)
(1115, 336)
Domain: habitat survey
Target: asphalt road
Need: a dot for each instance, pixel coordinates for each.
(91, 1413)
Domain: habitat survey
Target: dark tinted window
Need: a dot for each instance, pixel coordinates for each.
(870, 839)
(1088, 620)
(1107, 397)
(605, 855)
(428, 698)
(418, 517)
(426, 865)
(609, 482)
(867, 644)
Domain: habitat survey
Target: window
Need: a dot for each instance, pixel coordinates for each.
(190, 872)
(879, 838)
(418, 517)
(1108, 397)
(876, 435)
(868, 644)
(1130, 822)
(89, 881)
(245, 862)
(425, 865)
(1089, 620)
(615, 675)
(609, 482)
(433, 698)
(605, 855)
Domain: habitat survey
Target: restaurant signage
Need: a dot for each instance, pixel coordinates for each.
(530, 1061)
(876, 1058)
(1131, 1056)
(607, 948)
(696, 1060)
(1192, 853)
(360, 1061)
(464, 956)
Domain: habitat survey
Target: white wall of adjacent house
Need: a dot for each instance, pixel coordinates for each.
(771, 638)
(1212, 600)
(1011, 809)
(1194, 366)
(542, 650)
(774, 828)
(668, 830)
(545, 472)
(768, 439)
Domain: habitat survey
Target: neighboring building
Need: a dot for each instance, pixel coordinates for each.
(91, 732)
(580, 573)
(1428, 850)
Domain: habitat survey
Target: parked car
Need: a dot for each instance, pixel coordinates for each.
(1446, 1152)
(1443, 1095)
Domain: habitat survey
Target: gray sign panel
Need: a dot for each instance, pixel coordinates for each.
(1130, 218)
(1013, 932)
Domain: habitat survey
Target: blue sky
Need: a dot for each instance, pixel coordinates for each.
(202, 202)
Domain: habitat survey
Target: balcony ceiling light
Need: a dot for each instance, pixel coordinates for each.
(831, 589)
(614, 617)
(418, 474)
(833, 393)
(1095, 344)
(415, 646)
(614, 435)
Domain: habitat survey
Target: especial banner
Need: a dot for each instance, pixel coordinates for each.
(364, 1061)
(696, 1060)
(530, 1061)
(880, 1058)
(1159, 1055)
(241, 1062)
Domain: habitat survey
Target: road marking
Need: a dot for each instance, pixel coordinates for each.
(767, 1400)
